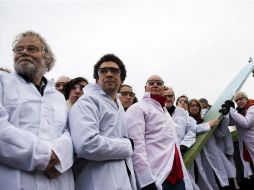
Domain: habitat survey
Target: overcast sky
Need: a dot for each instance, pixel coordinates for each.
(196, 46)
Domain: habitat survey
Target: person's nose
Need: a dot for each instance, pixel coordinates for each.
(109, 74)
(78, 90)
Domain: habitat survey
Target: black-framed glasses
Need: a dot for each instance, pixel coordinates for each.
(29, 49)
(77, 86)
(125, 93)
(112, 70)
(153, 82)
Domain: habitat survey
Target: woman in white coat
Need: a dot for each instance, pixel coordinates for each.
(213, 159)
(198, 176)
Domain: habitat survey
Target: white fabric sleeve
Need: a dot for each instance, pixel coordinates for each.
(63, 148)
(190, 135)
(246, 121)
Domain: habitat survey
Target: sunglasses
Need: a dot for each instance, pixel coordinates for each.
(153, 82)
(112, 70)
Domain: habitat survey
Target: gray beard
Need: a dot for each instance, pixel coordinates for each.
(30, 70)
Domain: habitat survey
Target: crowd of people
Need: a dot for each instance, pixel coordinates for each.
(75, 134)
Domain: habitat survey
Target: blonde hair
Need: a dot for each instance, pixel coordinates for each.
(240, 94)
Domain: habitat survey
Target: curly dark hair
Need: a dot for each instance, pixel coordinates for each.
(113, 58)
(70, 84)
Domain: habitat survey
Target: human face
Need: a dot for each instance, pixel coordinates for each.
(183, 103)
(170, 98)
(155, 85)
(194, 108)
(203, 105)
(126, 96)
(59, 86)
(28, 58)
(109, 78)
(76, 91)
(241, 101)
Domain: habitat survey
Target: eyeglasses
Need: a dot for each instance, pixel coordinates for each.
(153, 82)
(131, 94)
(29, 49)
(77, 86)
(112, 70)
(239, 99)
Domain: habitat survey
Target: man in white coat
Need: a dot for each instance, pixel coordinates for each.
(99, 133)
(243, 118)
(36, 148)
(186, 131)
(157, 159)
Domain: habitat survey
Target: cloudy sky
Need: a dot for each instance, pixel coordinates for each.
(196, 46)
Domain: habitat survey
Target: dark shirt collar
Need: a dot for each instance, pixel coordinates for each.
(39, 87)
(171, 110)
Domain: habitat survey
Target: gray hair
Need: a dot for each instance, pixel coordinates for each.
(240, 94)
(48, 54)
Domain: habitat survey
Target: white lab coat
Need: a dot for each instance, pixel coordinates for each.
(216, 159)
(245, 129)
(31, 126)
(186, 132)
(153, 132)
(225, 143)
(202, 182)
(98, 131)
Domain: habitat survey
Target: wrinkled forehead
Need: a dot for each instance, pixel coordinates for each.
(28, 40)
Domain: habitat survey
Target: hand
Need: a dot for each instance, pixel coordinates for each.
(224, 109)
(213, 123)
(151, 186)
(230, 103)
(50, 171)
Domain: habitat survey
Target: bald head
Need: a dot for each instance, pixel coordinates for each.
(155, 85)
